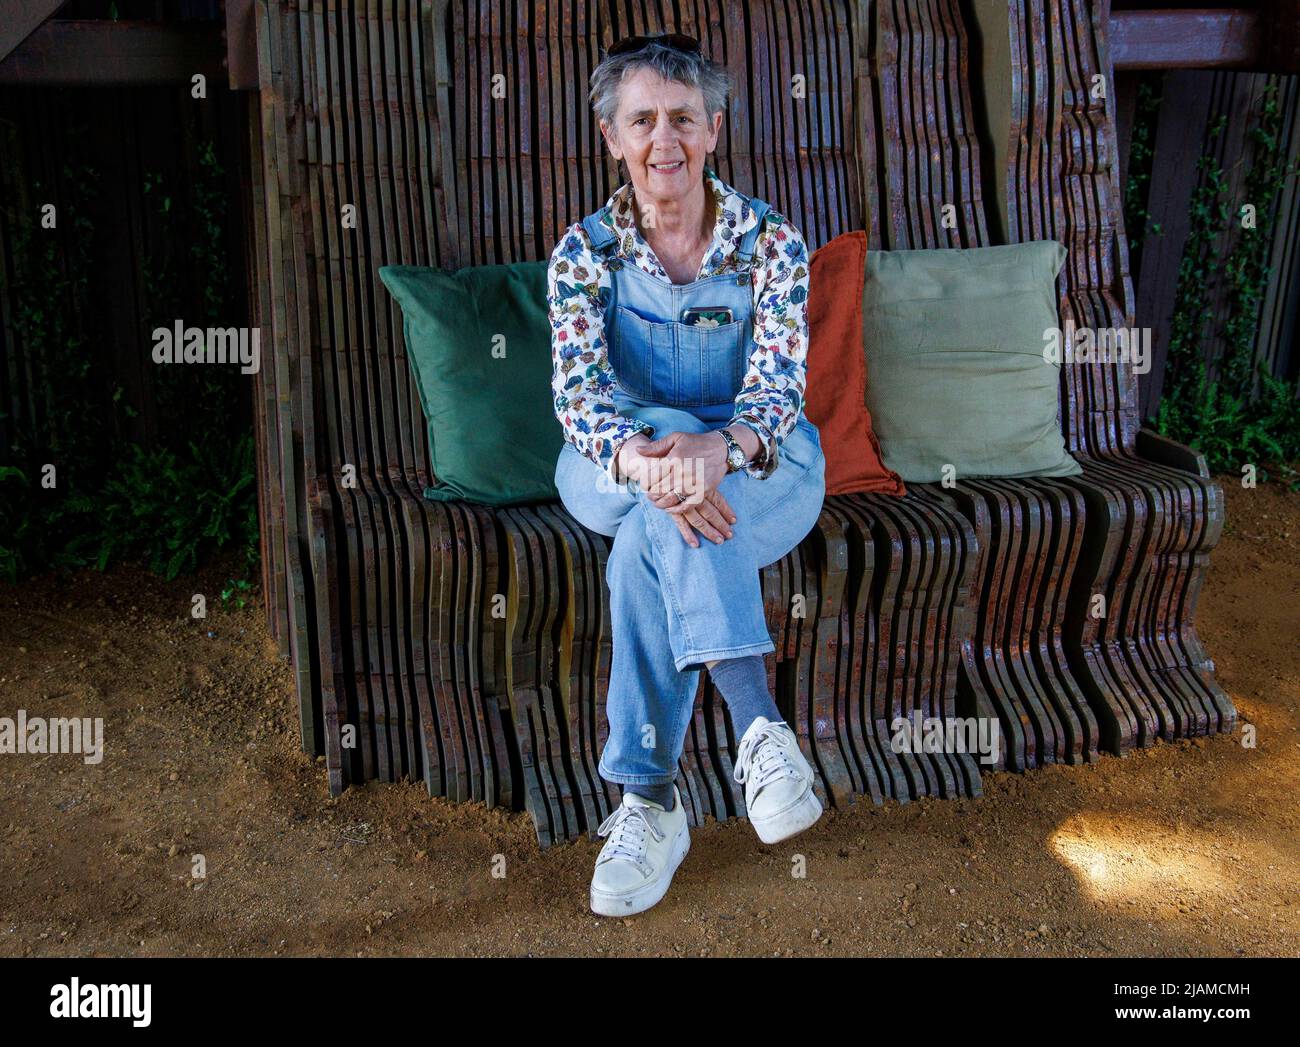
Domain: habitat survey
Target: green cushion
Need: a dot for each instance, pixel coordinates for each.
(956, 372)
(493, 435)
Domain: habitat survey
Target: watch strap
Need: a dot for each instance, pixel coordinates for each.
(735, 452)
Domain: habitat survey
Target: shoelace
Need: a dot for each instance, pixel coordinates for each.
(626, 827)
(762, 757)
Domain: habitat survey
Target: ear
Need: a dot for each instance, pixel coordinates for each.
(611, 140)
(714, 131)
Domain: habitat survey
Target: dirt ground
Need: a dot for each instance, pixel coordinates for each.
(1187, 849)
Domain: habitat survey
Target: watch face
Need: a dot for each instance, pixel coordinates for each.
(735, 453)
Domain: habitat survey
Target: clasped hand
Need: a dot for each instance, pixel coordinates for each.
(692, 464)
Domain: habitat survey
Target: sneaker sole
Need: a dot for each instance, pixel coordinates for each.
(790, 822)
(647, 897)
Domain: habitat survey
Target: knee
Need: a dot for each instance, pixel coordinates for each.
(587, 495)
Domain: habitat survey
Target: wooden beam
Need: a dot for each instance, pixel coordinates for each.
(1222, 38)
(21, 19)
(241, 45)
(91, 52)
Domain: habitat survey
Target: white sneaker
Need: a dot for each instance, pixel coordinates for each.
(778, 781)
(636, 865)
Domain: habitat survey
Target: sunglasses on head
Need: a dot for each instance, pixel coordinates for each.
(677, 41)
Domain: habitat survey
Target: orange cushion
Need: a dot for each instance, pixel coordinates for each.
(835, 398)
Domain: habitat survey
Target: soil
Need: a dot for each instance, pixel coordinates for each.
(1184, 849)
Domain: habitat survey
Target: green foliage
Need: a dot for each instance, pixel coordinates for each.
(1231, 430)
(171, 505)
(1141, 153)
(1234, 412)
(190, 281)
(15, 525)
(50, 282)
(166, 510)
(235, 589)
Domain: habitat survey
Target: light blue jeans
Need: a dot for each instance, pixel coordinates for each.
(674, 607)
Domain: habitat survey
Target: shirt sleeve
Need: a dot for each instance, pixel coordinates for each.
(582, 378)
(771, 397)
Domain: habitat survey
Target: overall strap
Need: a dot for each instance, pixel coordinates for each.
(745, 252)
(603, 241)
(602, 236)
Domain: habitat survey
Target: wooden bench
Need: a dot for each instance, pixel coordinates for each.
(470, 646)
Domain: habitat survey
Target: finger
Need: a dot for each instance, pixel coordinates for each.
(655, 473)
(688, 480)
(669, 477)
(696, 501)
(688, 536)
(691, 501)
(710, 512)
(664, 495)
(704, 527)
(719, 499)
(693, 482)
(655, 448)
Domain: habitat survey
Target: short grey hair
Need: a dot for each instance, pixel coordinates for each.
(691, 69)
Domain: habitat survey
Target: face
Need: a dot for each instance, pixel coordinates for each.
(663, 135)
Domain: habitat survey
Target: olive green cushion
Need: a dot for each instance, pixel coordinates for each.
(956, 373)
(479, 344)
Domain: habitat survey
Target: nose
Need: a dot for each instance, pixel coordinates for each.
(664, 137)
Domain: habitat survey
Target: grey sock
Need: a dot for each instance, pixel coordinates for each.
(660, 794)
(743, 683)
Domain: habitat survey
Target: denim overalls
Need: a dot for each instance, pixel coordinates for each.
(659, 359)
(674, 607)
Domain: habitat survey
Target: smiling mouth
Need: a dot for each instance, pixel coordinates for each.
(667, 168)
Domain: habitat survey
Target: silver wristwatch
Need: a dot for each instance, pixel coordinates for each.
(736, 459)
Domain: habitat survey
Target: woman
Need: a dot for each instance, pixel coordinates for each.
(678, 312)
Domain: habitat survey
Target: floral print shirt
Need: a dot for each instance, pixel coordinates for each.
(579, 283)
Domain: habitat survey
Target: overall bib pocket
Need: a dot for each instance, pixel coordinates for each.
(676, 364)
(712, 361)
